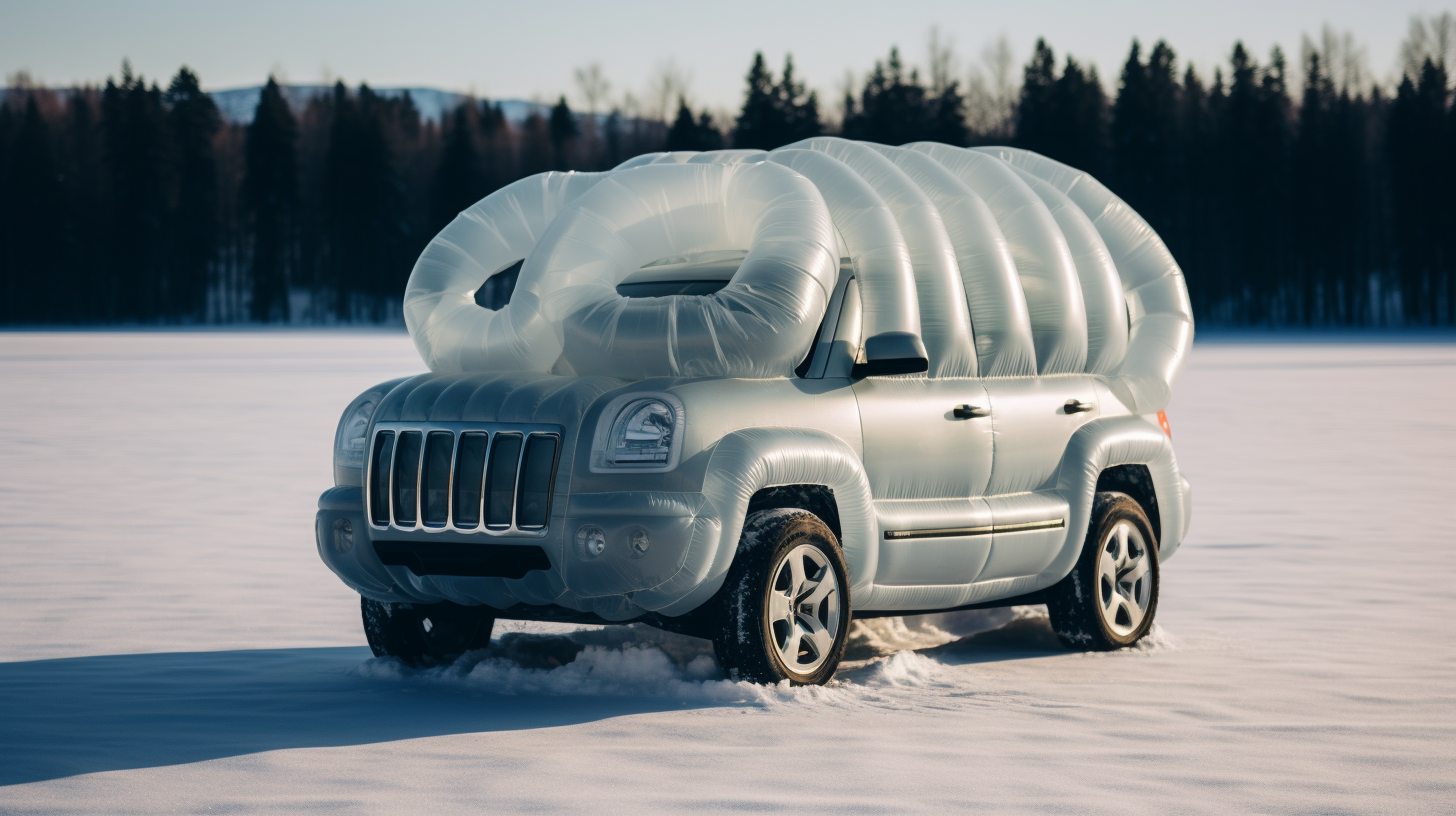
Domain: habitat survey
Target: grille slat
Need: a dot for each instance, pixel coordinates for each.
(435, 478)
(406, 482)
(466, 480)
(500, 480)
(533, 502)
(381, 465)
(469, 478)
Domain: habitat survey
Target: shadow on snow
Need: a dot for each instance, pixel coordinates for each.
(82, 715)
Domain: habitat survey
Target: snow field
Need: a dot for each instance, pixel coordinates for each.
(169, 640)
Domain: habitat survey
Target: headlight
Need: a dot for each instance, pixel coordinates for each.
(351, 440)
(642, 434)
(639, 432)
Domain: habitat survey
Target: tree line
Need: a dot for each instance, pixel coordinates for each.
(1330, 203)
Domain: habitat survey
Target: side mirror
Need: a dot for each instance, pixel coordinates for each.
(893, 352)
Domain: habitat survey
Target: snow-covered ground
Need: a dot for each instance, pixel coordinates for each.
(169, 640)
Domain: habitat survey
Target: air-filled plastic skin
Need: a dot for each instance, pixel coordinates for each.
(1040, 320)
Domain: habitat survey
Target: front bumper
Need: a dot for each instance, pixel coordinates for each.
(620, 583)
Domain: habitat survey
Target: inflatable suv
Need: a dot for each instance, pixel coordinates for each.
(747, 395)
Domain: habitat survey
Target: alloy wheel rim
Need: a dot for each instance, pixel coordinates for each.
(803, 609)
(1124, 579)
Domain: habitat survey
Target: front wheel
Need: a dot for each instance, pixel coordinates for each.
(1110, 597)
(425, 635)
(784, 608)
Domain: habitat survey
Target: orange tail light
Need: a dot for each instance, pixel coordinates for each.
(1163, 422)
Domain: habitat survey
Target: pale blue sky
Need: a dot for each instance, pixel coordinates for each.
(529, 49)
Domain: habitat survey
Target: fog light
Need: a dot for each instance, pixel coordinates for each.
(637, 543)
(591, 540)
(343, 535)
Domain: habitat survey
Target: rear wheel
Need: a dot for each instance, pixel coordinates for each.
(425, 634)
(1110, 597)
(784, 609)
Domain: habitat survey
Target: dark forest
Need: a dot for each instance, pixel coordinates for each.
(1331, 203)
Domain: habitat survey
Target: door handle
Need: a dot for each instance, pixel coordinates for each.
(970, 411)
(1077, 406)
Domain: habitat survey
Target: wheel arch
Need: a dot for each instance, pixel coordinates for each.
(1129, 454)
(781, 467)
(1137, 482)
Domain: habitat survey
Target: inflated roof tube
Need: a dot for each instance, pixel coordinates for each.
(993, 293)
(1157, 295)
(872, 238)
(450, 330)
(1043, 259)
(945, 323)
(756, 326)
(1101, 286)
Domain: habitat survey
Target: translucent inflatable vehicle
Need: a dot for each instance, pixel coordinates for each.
(747, 396)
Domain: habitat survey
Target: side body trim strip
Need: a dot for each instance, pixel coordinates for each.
(948, 532)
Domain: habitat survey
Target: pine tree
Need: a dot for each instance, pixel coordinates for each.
(138, 165)
(194, 122)
(497, 166)
(459, 181)
(1145, 149)
(1416, 147)
(270, 193)
(1196, 211)
(1079, 108)
(690, 133)
(34, 211)
(564, 132)
(535, 145)
(758, 124)
(799, 107)
(948, 116)
(895, 108)
(1036, 129)
(775, 113)
(367, 224)
(11, 283)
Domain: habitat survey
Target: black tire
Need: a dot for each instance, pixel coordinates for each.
(424, 635)
(1083, 614)
(749, 634)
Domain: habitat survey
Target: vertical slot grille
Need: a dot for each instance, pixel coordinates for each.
(435, 480)
(456, 479)
(469, 478)
(533, 497)
(406, 477)
(500, 479)
(379, 482)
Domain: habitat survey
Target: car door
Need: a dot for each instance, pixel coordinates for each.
(927, 454)
(1032, 419)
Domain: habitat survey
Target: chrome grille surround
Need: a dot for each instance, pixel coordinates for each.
(526, 433)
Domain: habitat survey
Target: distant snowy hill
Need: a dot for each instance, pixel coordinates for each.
(238, 104)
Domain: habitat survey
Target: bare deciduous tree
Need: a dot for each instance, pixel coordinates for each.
(668, 82)
(593, 86)
(942, 61)
(992, 90)
(1432, 38)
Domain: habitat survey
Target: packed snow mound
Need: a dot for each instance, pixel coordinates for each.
(1003, 262)
(886, 654)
